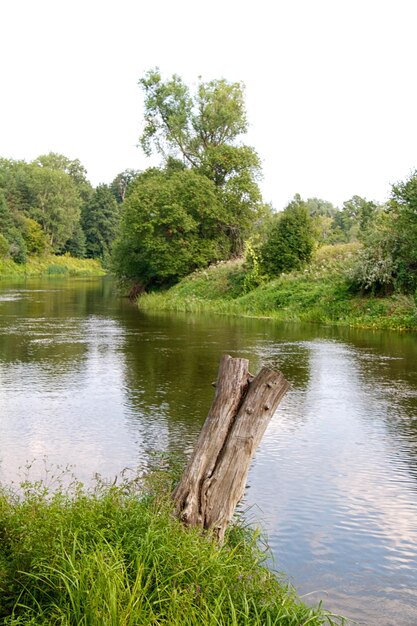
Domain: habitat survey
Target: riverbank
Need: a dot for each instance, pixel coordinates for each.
(51, 265)
(319, 294)
(117, 555)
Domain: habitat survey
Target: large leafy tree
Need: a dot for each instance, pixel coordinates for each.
(56, 205)
(203, 130)
(72, 167)
(171, 225)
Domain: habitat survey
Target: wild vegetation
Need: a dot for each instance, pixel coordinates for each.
(203, 206)
(320, 293)
(116, 555)
(196, 235)
(48, 207)
(51, 265)
(200, 205)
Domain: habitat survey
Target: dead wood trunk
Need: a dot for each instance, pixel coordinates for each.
(215, 477)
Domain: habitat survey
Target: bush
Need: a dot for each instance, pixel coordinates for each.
(290, 243)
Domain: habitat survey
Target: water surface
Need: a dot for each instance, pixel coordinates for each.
(87, 380)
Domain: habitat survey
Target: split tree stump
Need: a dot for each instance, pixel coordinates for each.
(215, 477)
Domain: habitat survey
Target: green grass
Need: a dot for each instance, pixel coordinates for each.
(117, 556)
(50, 265)
(320, 294)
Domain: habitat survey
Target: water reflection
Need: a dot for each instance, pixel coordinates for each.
(341, 508)
(86, 379)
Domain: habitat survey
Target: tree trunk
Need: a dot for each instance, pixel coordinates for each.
(215, 477)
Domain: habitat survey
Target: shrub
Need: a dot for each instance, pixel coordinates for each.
(290, 243)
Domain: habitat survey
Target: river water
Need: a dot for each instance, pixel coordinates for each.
(87, 380)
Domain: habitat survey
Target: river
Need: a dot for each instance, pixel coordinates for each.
(88, 381)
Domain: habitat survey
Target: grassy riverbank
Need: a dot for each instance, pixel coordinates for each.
(117, 556)
(319, 294)
(50, 265)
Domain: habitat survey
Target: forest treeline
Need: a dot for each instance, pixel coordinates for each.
(49, 206)
(202, 205)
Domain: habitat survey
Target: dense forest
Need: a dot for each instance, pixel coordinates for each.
(49, 206)
(202, 205)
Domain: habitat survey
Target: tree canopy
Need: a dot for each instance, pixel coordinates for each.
(203, 130)
(41, 205)
(171, 225)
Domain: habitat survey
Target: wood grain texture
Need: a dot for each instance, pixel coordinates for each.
(215, 477)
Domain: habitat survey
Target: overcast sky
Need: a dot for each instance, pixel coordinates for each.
(331, 87)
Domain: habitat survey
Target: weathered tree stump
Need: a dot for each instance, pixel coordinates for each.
(215, 477)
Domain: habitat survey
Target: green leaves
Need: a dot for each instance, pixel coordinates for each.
(172, 224)
(100, 218)
(202, 129)
(290, 242)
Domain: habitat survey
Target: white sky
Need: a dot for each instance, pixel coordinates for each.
(331, 85)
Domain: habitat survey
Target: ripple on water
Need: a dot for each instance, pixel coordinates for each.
(334, 482)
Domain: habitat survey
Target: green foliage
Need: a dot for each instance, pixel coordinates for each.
(323, 215)
(172, 224)
(47, 264)
(76, 244)
(354, 218)
(100, 222)
(33, 235)
(117, 556)
(202, 129)
(57, 204)
(375, 269)
(177, 122)
(403, 207)
(319, 207)
(253, 272)
(320, 293)
(73, 168)
(388, 260)
(4, 246)
(49, 190)
(120, 185)
(290, 242)
(13, 243)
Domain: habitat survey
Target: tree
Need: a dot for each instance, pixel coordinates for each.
(202, 130)
(15, 181)
(323, 215)
(121, 184)
(319, 207)
(355, 216)
(76, 244)
(74, 168)
(376, 268)
(33, 235)
(290, 242)
(171, 225)
(388, 259)
(49, 191)
(12, 241)
(100, 220)
(57, 204)
(403, 208)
